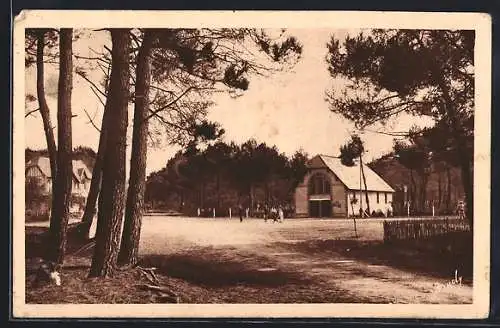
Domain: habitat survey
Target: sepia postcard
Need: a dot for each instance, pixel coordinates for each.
(253, 164)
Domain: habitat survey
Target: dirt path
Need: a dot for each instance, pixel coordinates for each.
(376, 283)
(296, 258)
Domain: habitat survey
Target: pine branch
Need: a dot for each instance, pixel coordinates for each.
(95, 92)
(83, 76)
(91, 121)
(153, 113)
(166, 122)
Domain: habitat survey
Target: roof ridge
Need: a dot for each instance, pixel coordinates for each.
(348, 174)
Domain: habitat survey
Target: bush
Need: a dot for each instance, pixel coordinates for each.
(78, 202)
(37, 207)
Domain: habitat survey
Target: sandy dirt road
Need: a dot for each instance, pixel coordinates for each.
(301, 260)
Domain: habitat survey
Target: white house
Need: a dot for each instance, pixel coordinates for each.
(329, 188)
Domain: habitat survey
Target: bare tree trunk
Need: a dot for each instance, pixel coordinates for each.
(129, 247)
(95, 184)
(63, 181)
(202, 194)
(448, 194)
(218, 189)
(90, 211)
(45, 113)
(181, 207)
(467, 181)
(112, 195)
(423, 191)
(44, 107)
(266, 192)
(251, 195)
(366, 188)
(440, 189)
(412, 198)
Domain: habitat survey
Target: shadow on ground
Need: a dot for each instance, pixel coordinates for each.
(437, 257)
(211, 267)
(36, 241)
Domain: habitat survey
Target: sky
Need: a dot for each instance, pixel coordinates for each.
(287, 109)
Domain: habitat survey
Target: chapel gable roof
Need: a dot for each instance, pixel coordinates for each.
(349, 175)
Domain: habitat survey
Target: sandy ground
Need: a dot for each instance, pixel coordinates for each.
(321, 255)
(223, 260)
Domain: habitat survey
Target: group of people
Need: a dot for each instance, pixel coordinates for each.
(275, 213)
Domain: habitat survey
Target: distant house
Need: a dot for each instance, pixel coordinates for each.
(38, 170)
(329, 187)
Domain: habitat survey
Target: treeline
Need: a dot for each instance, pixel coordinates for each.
(428, 164)
(442, 187)
(225, 175)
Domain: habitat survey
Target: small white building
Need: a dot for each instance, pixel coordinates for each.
(331, 189)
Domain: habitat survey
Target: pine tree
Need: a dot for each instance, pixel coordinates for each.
(419, 72)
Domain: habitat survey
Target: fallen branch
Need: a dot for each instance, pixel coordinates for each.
(85, 247)
(158, 289)
(149, 275)
(143, 273)
(155, 279)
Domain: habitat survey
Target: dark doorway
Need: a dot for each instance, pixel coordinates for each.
(320, 208)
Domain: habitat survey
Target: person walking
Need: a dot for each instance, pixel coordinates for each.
(461, 210)
(240, 212)
(274, 214)
(281, 214)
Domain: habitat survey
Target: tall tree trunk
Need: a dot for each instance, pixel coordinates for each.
(63, 181)
(202, 194)
(112, 195)
(95, 184)
(266, 192)
(440, 188)
(218, 189)
(44, 107)
(448, 191)
(129, 247)
(366, 187)
(423, 191)
(467, 181)
(45, 113)
(251, 195)
(90, 211)
(181, 205)
(413, 191)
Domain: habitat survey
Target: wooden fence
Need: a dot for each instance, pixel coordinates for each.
(422, 229)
